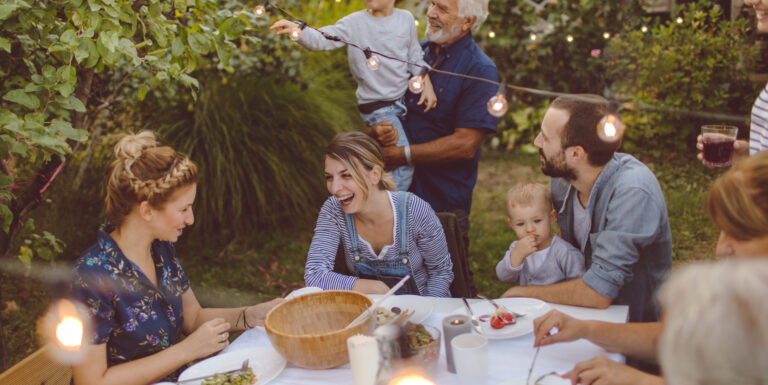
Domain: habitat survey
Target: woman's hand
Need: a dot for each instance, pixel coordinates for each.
(209, 338)
(370, 286)
(603, 371)
(568, 328)
(255, 315)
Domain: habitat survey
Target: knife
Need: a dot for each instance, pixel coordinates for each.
(233, 371)
(475, 323)
(497, 306)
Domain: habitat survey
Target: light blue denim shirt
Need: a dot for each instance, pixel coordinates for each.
(629, 248)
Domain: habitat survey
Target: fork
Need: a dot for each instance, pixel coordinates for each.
(497, 306)
(233, 371)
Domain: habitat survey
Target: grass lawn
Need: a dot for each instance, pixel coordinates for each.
(267, 263)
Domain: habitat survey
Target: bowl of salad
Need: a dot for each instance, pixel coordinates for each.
(423, 345)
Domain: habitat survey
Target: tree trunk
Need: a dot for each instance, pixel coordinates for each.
(31, 197)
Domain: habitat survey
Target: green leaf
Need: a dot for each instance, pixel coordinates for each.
(189, 81)
(177, 47)
(181, 5)
(7, 117)
(109, 39)
(67, 130)
(69, 37)
(232, 28)
(68, 78)
(19, 96)
(155, 10)
(6, 217)
(199, 43)
(72, 103)
(141, 93)
(75, 3)
(5, 181)
(93, 53)
(5, 44)
(6, 10)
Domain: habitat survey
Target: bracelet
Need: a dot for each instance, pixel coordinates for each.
(244, 320)
(408, 159)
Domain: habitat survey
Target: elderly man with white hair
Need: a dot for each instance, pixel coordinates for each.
(445, 141)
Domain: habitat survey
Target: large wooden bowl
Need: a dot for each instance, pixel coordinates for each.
(309, 330)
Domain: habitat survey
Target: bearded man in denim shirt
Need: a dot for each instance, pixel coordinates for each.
(610, 206)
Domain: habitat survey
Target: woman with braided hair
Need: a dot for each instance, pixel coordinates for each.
(138, 296)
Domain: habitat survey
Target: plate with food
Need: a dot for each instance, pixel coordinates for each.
(418, 307)
(264, 364)
(499, 325)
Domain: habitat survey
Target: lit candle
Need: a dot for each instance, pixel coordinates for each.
(454, 325)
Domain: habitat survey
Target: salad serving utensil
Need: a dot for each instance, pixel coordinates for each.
(473, 319)
(233, 371)
(375, 304)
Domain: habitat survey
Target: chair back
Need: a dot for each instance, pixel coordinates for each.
(37, 369)
(463, 286)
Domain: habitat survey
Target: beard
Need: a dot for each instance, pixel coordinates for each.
(443, 34)
(556, 167)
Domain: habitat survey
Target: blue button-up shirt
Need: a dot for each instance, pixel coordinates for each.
(131, 315)
(629, 248)
(461, 103)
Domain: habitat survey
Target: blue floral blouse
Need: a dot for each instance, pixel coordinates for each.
(131, 315)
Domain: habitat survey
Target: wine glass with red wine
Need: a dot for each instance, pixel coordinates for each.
(718, 143)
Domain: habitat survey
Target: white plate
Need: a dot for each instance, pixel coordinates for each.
(531, 307)
(422, 306)
(549, 380)
(302, 291)
(265, 362)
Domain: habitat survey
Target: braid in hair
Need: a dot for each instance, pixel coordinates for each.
(144, 172)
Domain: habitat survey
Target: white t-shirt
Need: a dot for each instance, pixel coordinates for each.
(582, 223)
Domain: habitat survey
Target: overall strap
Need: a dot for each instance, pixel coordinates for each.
(353, 244)
(403, 197)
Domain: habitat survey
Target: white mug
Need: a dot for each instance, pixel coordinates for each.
(470, 355)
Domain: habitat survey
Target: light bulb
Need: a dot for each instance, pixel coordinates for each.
(606, 35)
(416, 84)
(498, 105)
(569, 38)
(679, 20)
(491, 34)
(295, 34)
(259, 10)
(644, 29)
(65, 326)
(373, 63)
(411, 379)
(610, 128)
(416, 22)
(533, 37)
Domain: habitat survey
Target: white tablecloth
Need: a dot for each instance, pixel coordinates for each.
(507, 359)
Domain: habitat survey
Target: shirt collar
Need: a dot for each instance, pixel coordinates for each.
(108, 246)
(456, 46)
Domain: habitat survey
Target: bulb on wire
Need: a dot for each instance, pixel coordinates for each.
(606, 35)
(644, 29)
(416, 21)
(610, 129)
(533, 37)
(491, 34)
(498, 105)
(259, 10)
(569, 38)
(295, 34)
(679, 20)
(416, 84)
(65, 328)
(371, 61)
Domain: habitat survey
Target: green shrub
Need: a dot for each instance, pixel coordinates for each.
(700, 64)
(258, 142)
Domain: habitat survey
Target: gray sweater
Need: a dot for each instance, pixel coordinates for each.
(558, 262)
(393, 35)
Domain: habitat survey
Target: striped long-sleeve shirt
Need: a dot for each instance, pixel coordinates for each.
(758, 130)
(428, 252)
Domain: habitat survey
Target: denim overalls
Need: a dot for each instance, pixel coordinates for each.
(388, 271)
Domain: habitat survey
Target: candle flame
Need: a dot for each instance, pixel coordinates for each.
(411, 379)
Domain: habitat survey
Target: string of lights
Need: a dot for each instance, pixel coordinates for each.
(609, 129)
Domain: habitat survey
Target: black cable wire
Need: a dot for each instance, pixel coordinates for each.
(625, 103)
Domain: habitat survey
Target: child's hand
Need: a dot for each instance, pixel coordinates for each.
(524, 247)
(428, 96)
(283, 26)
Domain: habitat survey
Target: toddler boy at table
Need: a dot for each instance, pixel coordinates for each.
(538, 257)
(389, 31)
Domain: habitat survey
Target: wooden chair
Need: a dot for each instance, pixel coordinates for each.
(37, 369)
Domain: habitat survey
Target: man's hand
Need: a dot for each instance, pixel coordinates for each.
(604, 371)
(384, 132)
(394, 156)
(524, 247)
(740, 150)
(428, 96)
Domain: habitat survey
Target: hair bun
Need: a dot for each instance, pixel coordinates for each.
(131, 146)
